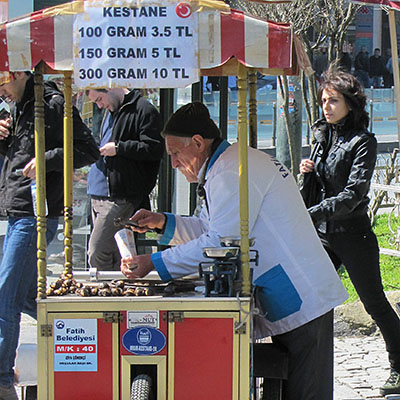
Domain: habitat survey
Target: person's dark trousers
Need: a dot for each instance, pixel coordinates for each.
(388, 80)
(359, 253)
(310, 352)
(362, 77)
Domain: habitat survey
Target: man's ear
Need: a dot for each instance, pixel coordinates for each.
(199, 142)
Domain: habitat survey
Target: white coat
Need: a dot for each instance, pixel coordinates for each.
(295, 279)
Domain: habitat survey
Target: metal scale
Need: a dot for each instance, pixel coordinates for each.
(223, 275)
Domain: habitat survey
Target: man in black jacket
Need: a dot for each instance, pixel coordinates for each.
(18, 266)
(121, 181)
(376, 68)
(361, 67)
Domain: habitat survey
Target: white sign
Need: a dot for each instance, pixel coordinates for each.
(75, 345)
(150, 46)
(142, 318)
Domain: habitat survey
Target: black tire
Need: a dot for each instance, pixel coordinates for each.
(31, 393)
(272, 389)
(141, 388)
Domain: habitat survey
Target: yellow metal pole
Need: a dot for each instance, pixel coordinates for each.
(395, 65)
(40, 182)
(68, 172)
(253, 108)
(243, 178)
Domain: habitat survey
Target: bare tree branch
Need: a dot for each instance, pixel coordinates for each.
(316, 22)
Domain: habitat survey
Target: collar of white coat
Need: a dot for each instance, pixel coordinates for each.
(208, 164)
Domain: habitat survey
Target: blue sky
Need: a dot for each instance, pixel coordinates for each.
(17, 8)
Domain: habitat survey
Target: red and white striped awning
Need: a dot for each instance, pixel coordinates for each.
(252, 41)
(44, 35)
(395, 4)
(47, 36)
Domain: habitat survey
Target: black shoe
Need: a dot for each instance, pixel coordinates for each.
(392, 385)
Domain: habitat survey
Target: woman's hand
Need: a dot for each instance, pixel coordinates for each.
(137, 266)
(306, 166)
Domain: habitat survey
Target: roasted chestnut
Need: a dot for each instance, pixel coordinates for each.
(116, 291)
(148, 291)
(84, 292)
(130, 292)
(119, 284)
(104, 285)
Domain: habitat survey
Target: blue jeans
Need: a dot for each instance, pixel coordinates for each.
(18, 282)
(376, 81)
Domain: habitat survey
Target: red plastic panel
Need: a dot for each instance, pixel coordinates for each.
(203, 359)
(89, 385)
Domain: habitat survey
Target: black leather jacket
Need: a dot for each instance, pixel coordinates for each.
(19, 148)
(343, 170)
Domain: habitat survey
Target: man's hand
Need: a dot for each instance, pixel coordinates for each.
(4, 128)
(30, 169)
(306, 166)
(108, 150)
(137, 266)
(146, 220)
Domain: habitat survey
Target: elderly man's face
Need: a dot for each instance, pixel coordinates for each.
(187, 155)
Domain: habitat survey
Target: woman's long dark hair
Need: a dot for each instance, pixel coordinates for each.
(345, 83)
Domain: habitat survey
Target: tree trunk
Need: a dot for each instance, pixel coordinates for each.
(289, 123)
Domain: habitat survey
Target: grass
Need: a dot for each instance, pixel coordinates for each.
(390, 266)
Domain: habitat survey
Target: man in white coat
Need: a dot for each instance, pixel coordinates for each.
(297, 286)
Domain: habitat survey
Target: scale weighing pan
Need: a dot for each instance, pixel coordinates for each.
(229, 241)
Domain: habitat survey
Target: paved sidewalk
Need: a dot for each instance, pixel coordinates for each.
(361, 367)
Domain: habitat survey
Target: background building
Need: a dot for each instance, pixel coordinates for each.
(371, 29)
(20, 7)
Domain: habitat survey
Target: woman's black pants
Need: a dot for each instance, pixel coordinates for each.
(359, 253)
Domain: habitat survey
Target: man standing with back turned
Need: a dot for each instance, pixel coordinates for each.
(18, 270)
(122, 179)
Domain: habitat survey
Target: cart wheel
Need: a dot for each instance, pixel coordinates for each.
(272, 389)
(31, 393)
(141, 388)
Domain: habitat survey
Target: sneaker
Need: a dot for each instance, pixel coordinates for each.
(392, 385)
(8, 393)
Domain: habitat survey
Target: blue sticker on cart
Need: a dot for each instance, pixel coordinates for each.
(75, 345)
(143, 340)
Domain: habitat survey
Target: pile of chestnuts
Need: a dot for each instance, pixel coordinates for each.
(66, 284)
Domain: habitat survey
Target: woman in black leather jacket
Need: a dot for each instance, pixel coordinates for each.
(336, 184)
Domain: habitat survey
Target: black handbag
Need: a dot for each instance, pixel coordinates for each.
(311, 187)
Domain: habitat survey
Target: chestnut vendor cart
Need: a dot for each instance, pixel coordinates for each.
(186, 346)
